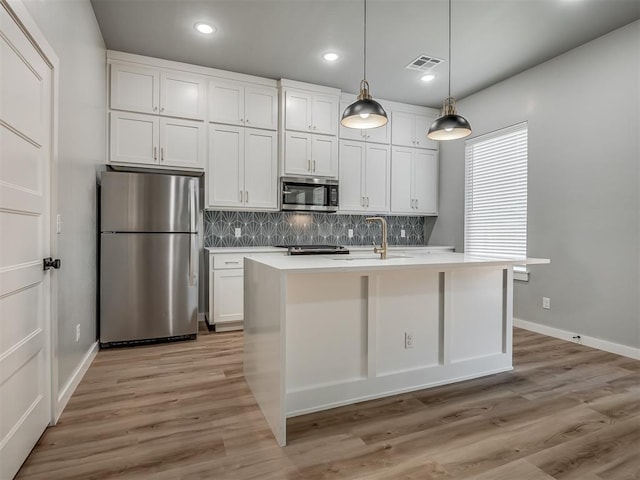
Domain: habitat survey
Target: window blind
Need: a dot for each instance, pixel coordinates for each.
(496, 194)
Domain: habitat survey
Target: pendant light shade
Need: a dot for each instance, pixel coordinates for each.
(450, 125)
(364, 112)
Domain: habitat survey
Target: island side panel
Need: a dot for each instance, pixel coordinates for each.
(264, 347)
(478, 320)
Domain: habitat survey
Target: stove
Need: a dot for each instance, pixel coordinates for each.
(315, 249)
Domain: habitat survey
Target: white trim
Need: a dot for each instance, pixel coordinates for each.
(592, 342)
(67, 390)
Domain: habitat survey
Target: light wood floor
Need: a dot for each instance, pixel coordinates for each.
(183, 411)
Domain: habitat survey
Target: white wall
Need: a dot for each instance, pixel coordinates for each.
(583, 111)
(72, 30)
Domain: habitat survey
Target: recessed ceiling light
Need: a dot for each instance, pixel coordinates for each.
(204, 28)
(331, 56)
(427, 77)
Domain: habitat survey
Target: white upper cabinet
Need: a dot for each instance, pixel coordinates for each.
(157, 91)
(371, 135)
(310, 155)
(151, 140)
(414, 181)
(311, 112)
(236, 103)
(410, 130)
(242, 168)
(364, 177)
(135, 89)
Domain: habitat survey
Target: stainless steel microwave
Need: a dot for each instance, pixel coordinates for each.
(309, 194)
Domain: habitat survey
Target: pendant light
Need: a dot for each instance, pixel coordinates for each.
(450, 125)
(364, 112)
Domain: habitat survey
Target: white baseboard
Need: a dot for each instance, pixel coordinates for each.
(592, 342)
(65, 392)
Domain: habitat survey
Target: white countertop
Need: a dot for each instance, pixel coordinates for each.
(369, 261)
(352, 248)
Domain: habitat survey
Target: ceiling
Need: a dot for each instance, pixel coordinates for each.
(491, 39)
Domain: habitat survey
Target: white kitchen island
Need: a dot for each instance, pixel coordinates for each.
(328, 330)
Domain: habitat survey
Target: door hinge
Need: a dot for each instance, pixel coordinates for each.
(49, 262)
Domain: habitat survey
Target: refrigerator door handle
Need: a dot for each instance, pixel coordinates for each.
(193, 260)
(193, 207)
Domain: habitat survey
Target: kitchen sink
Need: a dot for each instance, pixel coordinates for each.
(370, 256)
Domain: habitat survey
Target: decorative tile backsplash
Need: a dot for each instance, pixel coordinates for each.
(291, 228)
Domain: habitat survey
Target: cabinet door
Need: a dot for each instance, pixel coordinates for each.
(297, 111)
(182, 143)
(324, 114)
(378, 135)
(228, 295)
(402, 129)
(422, 124)
(425, 181)
(260, 169)
(136, 89)
(182, 96)
(324, 156)
(351, 176)
(401, 198)
(349, 133)
(134, 138)
(261, 107)
(226, 166)
(297, 153)
(376, 177)
(226, 102)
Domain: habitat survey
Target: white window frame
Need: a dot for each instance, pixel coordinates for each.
(496, 184)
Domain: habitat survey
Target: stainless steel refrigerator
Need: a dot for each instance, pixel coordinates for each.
(149, 258)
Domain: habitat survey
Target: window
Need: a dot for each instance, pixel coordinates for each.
(495, 223)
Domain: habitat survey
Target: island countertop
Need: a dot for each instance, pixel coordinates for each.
(359, 261)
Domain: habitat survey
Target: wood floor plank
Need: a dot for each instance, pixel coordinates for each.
(184, 411)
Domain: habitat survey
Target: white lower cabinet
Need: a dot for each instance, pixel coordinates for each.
(364, 177)
(141, 139)
(243, 168)
(414, 181)
(226, 290)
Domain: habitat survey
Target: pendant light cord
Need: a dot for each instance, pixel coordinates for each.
(364, 73)
(449, 95)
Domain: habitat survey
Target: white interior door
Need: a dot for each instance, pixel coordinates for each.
(25, 155)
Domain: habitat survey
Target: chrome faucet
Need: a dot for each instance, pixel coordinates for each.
(382, 250)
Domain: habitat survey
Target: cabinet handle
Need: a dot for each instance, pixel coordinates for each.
(314, 127)
(314, 165)
(367, 202)
(309, 165)
(247, 120)
(162, 109)
(309, 127)
(155, 153)
(246, 196)
(362, 201)
(155, 109)
(227, 262)
(417, 203)
(242, 120)
(162, 154)
(240, 195)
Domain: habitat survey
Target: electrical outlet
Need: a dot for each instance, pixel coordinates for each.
(238, 232)
(408, 339)
(546, 303)
(403, 233)
(350, 233)
(78, 332)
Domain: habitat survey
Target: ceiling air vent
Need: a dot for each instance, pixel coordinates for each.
(425, 63)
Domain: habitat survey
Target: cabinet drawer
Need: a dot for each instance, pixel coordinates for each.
(228, 260)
